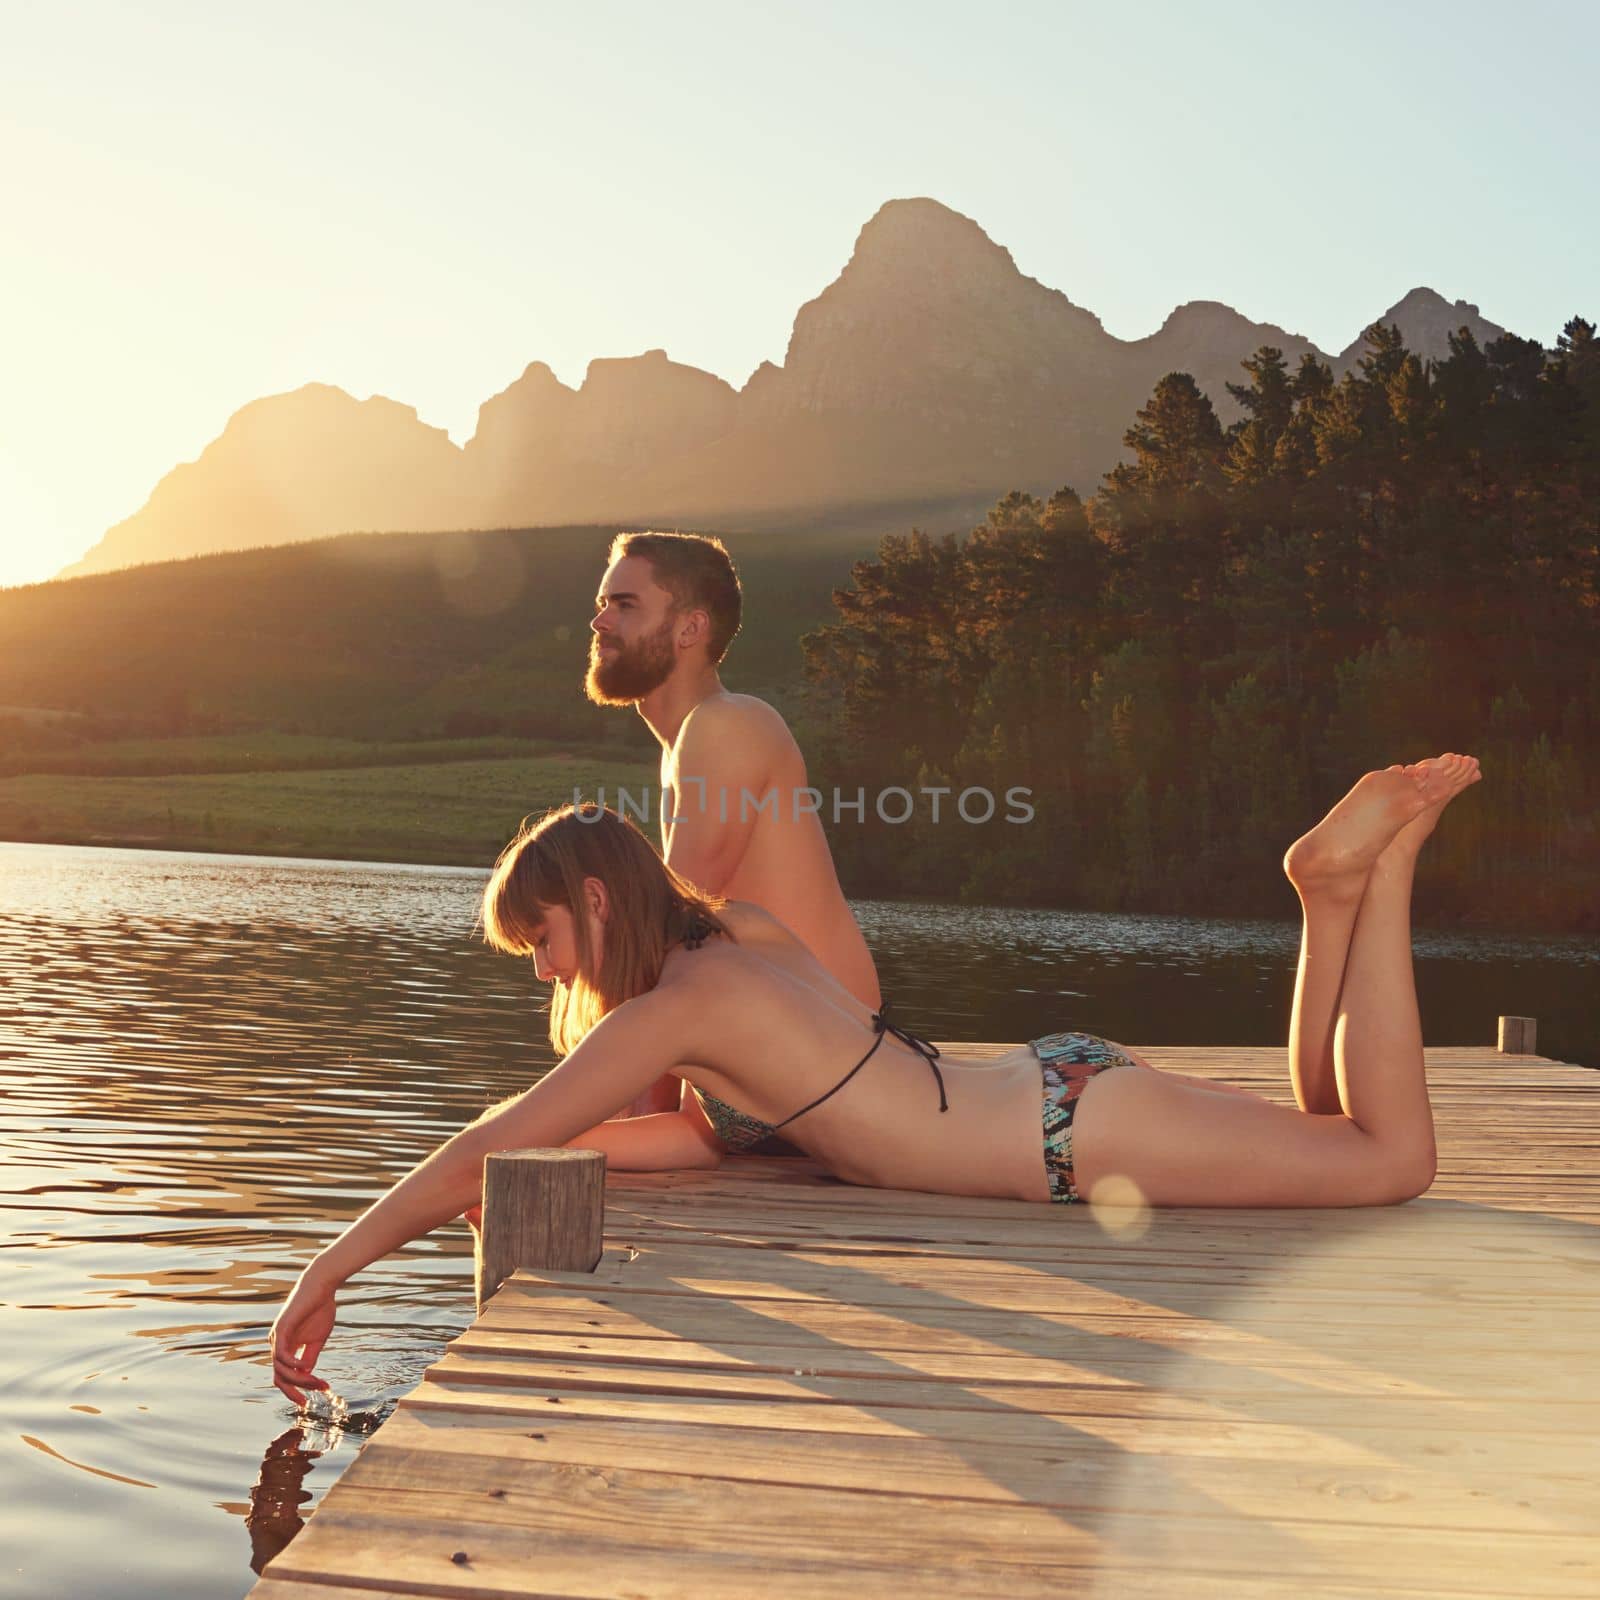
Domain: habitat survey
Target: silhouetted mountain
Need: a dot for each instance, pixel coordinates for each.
(542, 449)
(295, 466)
(930, 371)
(1208, 340)
(1426, 320)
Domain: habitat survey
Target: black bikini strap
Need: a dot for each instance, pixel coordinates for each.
(928, 1052)
(880, 1026)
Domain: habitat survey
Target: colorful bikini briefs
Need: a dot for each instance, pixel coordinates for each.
(1068, 1061)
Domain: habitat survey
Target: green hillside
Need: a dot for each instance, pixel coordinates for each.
(373, 696)
(369, 636)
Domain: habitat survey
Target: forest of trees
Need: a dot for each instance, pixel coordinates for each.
(1188, 669)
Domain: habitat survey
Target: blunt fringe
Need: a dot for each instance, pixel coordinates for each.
(697, 571)
(651, 908)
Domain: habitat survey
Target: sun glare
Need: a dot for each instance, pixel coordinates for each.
(33, 543)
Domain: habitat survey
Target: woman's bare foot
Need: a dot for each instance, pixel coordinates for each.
(1341, 850)
(1410, 839)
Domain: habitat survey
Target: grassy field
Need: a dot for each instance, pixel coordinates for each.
(458, 813)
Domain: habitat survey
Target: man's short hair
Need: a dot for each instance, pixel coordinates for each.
(697, 571)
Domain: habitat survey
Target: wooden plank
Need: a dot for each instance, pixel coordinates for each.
(1363, 1435)
(897, 1211)
(868, 1279)
(1556, 1415)
(1514, 1256)
(1133, 1586)
(1155, 1336)
(317, 1589)
(1075, 1474)
(1111, 1285)
(1103, 1363)
(579, 1523)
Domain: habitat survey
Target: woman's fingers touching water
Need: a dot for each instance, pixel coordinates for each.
(288, 1380)
(297, 1338)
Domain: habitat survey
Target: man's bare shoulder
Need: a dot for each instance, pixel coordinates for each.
(741, 719)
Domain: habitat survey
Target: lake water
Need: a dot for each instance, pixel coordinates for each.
(213, 1063)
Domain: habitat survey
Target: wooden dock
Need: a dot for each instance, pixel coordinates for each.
(779, 1386)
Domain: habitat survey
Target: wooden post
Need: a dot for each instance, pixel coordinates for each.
(541, 1209)
(1517, 1035)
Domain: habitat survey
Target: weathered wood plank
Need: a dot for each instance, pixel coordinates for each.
(666, 1533)
(1155, 1335)
(1363, 1433)
(1550, 1411)
(892, 1279)
(1083, 1474)
(1098, 1362)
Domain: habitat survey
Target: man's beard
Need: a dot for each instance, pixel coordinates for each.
(632, 671)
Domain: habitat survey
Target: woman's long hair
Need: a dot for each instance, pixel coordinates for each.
(652, 908)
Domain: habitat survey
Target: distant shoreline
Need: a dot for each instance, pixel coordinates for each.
(284, 851)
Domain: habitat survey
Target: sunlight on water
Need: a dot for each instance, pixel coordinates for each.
(212, 1064)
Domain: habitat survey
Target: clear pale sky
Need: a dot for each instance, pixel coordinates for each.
(206, 203)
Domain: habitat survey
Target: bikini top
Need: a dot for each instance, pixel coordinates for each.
(739, 1131)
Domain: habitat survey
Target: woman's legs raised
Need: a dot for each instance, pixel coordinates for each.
(1181, 1146)
(1329, 873)
(1378, 1016)
(1328, 919)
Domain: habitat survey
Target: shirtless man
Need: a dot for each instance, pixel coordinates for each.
(735, 817)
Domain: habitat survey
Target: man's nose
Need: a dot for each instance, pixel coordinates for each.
(600, 622)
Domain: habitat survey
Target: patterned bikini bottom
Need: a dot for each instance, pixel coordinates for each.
(1067, 1062)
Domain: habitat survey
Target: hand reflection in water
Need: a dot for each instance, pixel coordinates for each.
(274, 1516)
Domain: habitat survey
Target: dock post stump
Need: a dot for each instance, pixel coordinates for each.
(542, 1209)
(1517, 1035)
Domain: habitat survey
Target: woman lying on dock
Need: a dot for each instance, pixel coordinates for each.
(652, 976)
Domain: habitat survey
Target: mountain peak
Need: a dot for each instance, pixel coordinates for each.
(1202, 314)
(1426, 320)
(923, 223)
(923, 244)
(1423, 299)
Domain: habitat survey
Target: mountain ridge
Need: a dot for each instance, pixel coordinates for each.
(930, 370)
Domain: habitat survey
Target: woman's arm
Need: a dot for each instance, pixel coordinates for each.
(628, 1049)
(631, 1047)
(669, 1141)
(660, 1142)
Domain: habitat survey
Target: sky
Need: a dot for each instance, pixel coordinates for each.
(204, 204)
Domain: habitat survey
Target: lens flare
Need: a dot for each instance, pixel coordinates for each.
(1118, 1204)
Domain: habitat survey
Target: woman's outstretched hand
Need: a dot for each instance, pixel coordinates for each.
(298, 1335)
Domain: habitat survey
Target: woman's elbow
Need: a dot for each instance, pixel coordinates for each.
(709, 1154)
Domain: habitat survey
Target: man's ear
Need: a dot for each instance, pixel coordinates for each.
(694, 627)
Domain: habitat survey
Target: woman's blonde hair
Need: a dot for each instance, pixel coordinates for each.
(652, 908)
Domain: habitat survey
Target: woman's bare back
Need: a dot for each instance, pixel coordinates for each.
(779, 1031)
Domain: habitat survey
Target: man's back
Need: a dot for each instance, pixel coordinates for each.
(745, 824)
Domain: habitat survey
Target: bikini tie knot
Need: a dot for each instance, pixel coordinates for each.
(929, 1052)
